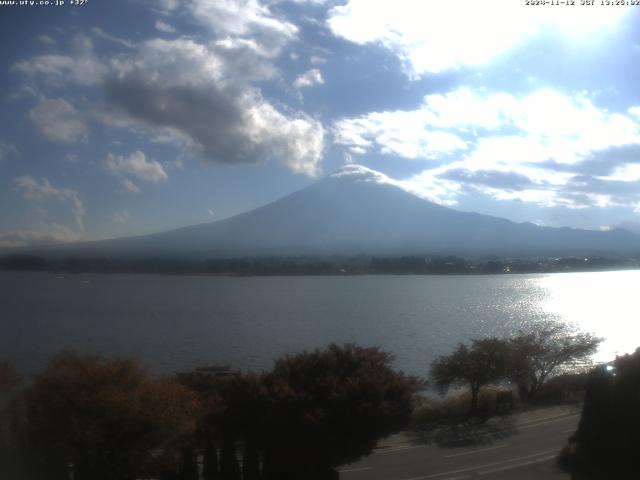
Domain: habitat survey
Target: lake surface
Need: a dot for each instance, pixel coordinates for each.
(177, 322)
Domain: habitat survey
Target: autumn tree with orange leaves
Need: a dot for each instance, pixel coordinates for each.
(108, 419)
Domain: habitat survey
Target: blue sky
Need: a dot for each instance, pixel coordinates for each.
(130, 117)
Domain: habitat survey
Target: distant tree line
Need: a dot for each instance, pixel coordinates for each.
(310, 265)
(93, 419)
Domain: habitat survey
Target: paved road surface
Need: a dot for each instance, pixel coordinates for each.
(520, 447)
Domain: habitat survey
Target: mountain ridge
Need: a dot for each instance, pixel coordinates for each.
(357, 210)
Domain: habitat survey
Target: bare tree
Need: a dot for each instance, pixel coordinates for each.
(543, 351)
(482, 363)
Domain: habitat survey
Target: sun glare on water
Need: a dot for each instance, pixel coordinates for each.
(604, 303)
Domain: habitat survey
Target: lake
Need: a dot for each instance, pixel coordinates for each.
(177, 322)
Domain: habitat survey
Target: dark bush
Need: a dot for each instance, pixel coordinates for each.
(607, 441)
(329, 407)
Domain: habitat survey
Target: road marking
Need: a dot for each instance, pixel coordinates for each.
(476, 451)
(399, 449)
(569, 430)
(523, 426)
(531, 424)
(542, 421)
(487, 465)
(517, 465)
(360, 469)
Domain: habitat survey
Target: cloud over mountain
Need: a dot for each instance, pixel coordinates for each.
(533, 147)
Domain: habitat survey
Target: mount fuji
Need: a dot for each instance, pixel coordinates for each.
(353, 211)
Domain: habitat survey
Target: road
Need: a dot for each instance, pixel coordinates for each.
(514, 448)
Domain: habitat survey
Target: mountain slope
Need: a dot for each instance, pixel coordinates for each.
(357, 210)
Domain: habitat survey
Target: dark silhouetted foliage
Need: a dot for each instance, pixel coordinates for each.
(210, 464)
(607, 441)
(10, 379)
(189, 464)
(104, 417)
(11, 429)
(566, 388)
(21, 261)
(485, 361)
(329, 407)
(312, 412)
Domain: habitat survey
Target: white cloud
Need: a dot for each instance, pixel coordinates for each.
(121, 217)
(39, 235)
(398, 133)
(431, 37)
(624, 173)
(240, 18)
(309, 79)
(234, 20)
(317, 60)
(164, 27)
(58, 121)
(635, 111)
(129, 186)
(40, 211)
(166, 5)
(138, 166)
(101, 34)
(427, 185)
(7, 150)
(46, 40)
(531, 148)
(314, 2)
(548, 125)
(193, 94)
(59, 70)
(200, 97)
(239, 59)
(81, 44)
(173, 164)
(244, 19)
(34, 190)
(298, 142)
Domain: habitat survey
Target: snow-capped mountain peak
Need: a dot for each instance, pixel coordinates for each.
(362, 174)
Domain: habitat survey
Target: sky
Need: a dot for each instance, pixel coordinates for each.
(130, 117)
